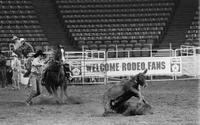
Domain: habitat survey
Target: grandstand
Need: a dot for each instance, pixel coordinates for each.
(192, 35)
(116, 22)
(101, 24)
(18, 17)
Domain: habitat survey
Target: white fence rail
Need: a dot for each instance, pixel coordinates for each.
(102, 67)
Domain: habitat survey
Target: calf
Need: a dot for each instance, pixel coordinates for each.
(117, 95)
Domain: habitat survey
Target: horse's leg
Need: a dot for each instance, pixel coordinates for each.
(18, 80)
(49, 90)
(65, 89)
(62, 93)
(55, 94)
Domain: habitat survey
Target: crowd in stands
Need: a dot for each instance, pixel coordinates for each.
(96, 24)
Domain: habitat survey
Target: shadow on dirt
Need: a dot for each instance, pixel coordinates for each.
(49, 100)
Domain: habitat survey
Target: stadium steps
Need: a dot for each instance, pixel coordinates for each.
(50, 23)
(180, 23)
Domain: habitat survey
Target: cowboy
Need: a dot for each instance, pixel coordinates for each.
(18, 42)
(35, 76)
(16, 67)
(117, 96)
(28, 64)
(28, 67)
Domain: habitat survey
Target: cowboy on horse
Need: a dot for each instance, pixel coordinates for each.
(54, 75)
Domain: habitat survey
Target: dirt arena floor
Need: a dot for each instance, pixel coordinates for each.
(174, 103)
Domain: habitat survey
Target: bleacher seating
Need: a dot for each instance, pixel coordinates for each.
(18, 17)
(193, 33)
(115, 22)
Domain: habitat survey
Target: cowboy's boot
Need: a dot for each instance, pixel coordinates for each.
(31, 96)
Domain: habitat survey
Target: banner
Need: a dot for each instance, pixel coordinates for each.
(132, 66)
(190, 65)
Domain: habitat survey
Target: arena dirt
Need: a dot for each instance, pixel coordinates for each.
(174, 103)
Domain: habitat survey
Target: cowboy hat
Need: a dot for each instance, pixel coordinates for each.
(60, 46)
(22, 39)
(38, 53)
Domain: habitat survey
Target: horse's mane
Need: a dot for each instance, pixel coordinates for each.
(56, 54)
(55, 62)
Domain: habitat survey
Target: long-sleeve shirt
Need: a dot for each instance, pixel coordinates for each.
(16, 65)
(37, 66)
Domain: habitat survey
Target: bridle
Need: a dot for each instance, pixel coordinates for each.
(59, 56)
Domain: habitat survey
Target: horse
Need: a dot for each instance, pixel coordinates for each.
(54, 76)
(117, 95)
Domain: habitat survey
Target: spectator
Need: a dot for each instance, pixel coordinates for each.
(16, 66)
(9, 75)
(3, 78)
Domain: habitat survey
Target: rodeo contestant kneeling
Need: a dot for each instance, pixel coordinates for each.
(115, 99)
(35, 76)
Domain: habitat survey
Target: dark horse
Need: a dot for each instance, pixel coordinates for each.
(55, 75)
